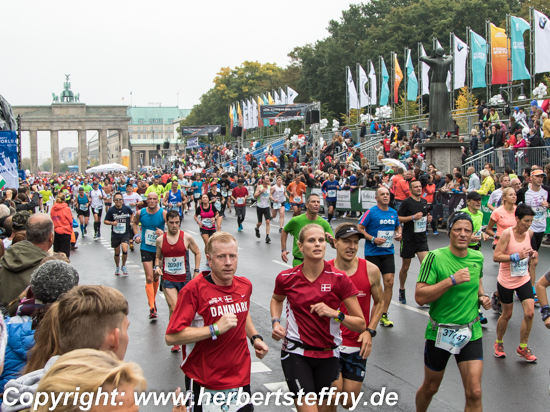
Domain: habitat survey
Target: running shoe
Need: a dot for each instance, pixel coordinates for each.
(402, 298)
(436, 233)
(497, 307)
(280, 230)
(117, 271)
(124, 271)
(258, 233)
(267, 239)
(482, 319)
(499, 350)
(384, 321)
(185, 211)
(526, 354)
(240, 228)
(85, 230)
(153, 314)
(74, 247)
(96, 236)
(175, 349)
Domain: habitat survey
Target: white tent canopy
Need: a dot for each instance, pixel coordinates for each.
(111, 167)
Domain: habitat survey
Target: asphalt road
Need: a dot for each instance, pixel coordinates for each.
(396, 362)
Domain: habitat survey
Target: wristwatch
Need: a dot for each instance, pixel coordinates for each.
(253, 338)
(197, 270)
(372, 332)
(340, 318)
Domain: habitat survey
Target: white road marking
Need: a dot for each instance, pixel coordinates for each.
(190, 231)
(258, 367)
(423, 312)
(281, 263)
(274, 386)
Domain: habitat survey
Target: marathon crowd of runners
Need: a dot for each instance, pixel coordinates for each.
(63, 335)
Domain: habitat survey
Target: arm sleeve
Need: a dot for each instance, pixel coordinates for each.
(428, 270)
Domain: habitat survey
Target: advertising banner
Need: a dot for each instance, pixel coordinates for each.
(9, 176)
(269, 111)
(343, 200)
(199, 130)
(499, 55)
(192, 142)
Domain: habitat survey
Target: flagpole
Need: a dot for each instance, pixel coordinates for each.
(380, 78)
(406, 75)
(347, 94)
(369, 62)
(452, 91)
(532, 22)
(421, 82)
(359, 91)
(488, 65)
(509, 73)
(469, 78)
(392, 88)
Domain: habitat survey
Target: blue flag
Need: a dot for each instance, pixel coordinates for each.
(412, 82)
(479, 59)
(385, 90)
(519, 70)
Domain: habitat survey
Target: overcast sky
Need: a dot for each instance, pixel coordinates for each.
(150, 48)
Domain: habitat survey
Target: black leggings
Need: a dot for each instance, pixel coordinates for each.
(62, 243)
(197, 390)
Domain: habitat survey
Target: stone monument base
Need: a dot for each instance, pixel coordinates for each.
(445, 154)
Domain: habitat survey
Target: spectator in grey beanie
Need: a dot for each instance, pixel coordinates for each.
(52, 279)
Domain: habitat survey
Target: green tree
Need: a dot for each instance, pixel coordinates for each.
(25, 163)
(466, 103)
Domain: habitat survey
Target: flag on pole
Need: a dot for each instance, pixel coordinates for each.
(479, 60)
(460, 56)
(424, 69)
(251, 122)
(518, 27)
(363, 80)
(448, 81)
(372, 80)
(499, 55)
(2, 182)
(240, 114)
(291, 94)
(352, 92)
(230, 118)
(385, 92)
(235, 117)
(245, 115)
(260, 121)
(255, 112)
(276, 97)
(412, 82)
(397, 80)
(283, 97)
(542, 42)
(270, 99)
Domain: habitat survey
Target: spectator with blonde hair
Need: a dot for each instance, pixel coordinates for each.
(92, 372)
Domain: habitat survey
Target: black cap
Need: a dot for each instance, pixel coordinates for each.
(348, 231)
(473, 196)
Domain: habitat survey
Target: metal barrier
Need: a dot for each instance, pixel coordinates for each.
(478, 160)
(519, 159)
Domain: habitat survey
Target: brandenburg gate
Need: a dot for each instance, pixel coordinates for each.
(67, 113)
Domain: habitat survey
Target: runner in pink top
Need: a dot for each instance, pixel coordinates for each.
(513, 251)
(503, 216)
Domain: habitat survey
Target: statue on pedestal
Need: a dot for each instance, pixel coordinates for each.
(440, 119)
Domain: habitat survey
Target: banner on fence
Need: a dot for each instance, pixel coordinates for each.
(319, 192)
(199, 130)
(343, 200)
(268, 111)
(368, 199)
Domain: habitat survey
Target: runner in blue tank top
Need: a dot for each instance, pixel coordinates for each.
(380, 226)
(152, 219)
(175, 199)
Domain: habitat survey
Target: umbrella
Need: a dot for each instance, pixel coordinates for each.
(111, 167)
(393, 162)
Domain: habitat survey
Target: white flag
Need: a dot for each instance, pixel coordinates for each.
(448, 81)
(291, 95)
(372, 79)
(363, 80)
(251, 122)
(460, 58)
(255, 112)
(283, 97)
(245, 116)
(542, 43)
(276, 97)
(352, 92)
(424, 69)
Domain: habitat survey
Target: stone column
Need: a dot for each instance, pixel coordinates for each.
(54, 140)
(82, 151)
(124, 143)
(103, 151)
(147, 160)
(34, 151)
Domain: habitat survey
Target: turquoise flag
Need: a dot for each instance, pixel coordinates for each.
(385, 91)
(519, 70)
(479, 59)
(412, 82)
(266, 121)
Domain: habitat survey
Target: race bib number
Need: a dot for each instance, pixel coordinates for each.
(97, 210)
(452, 340)
(175, 207)
(478, 233)
(331, 193)
(174, 265)
(387, 235)
(208, 223)
(196, 195)
(240, 200)
(133, 209)
(143, 197)
(276, 205)
(120, 228)
(420, 225)
(218, 204)
(540, 213)
(297, 199)
(518, 269)
(224, 193)
(83, 207)
(150, 237)
(225, 401)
